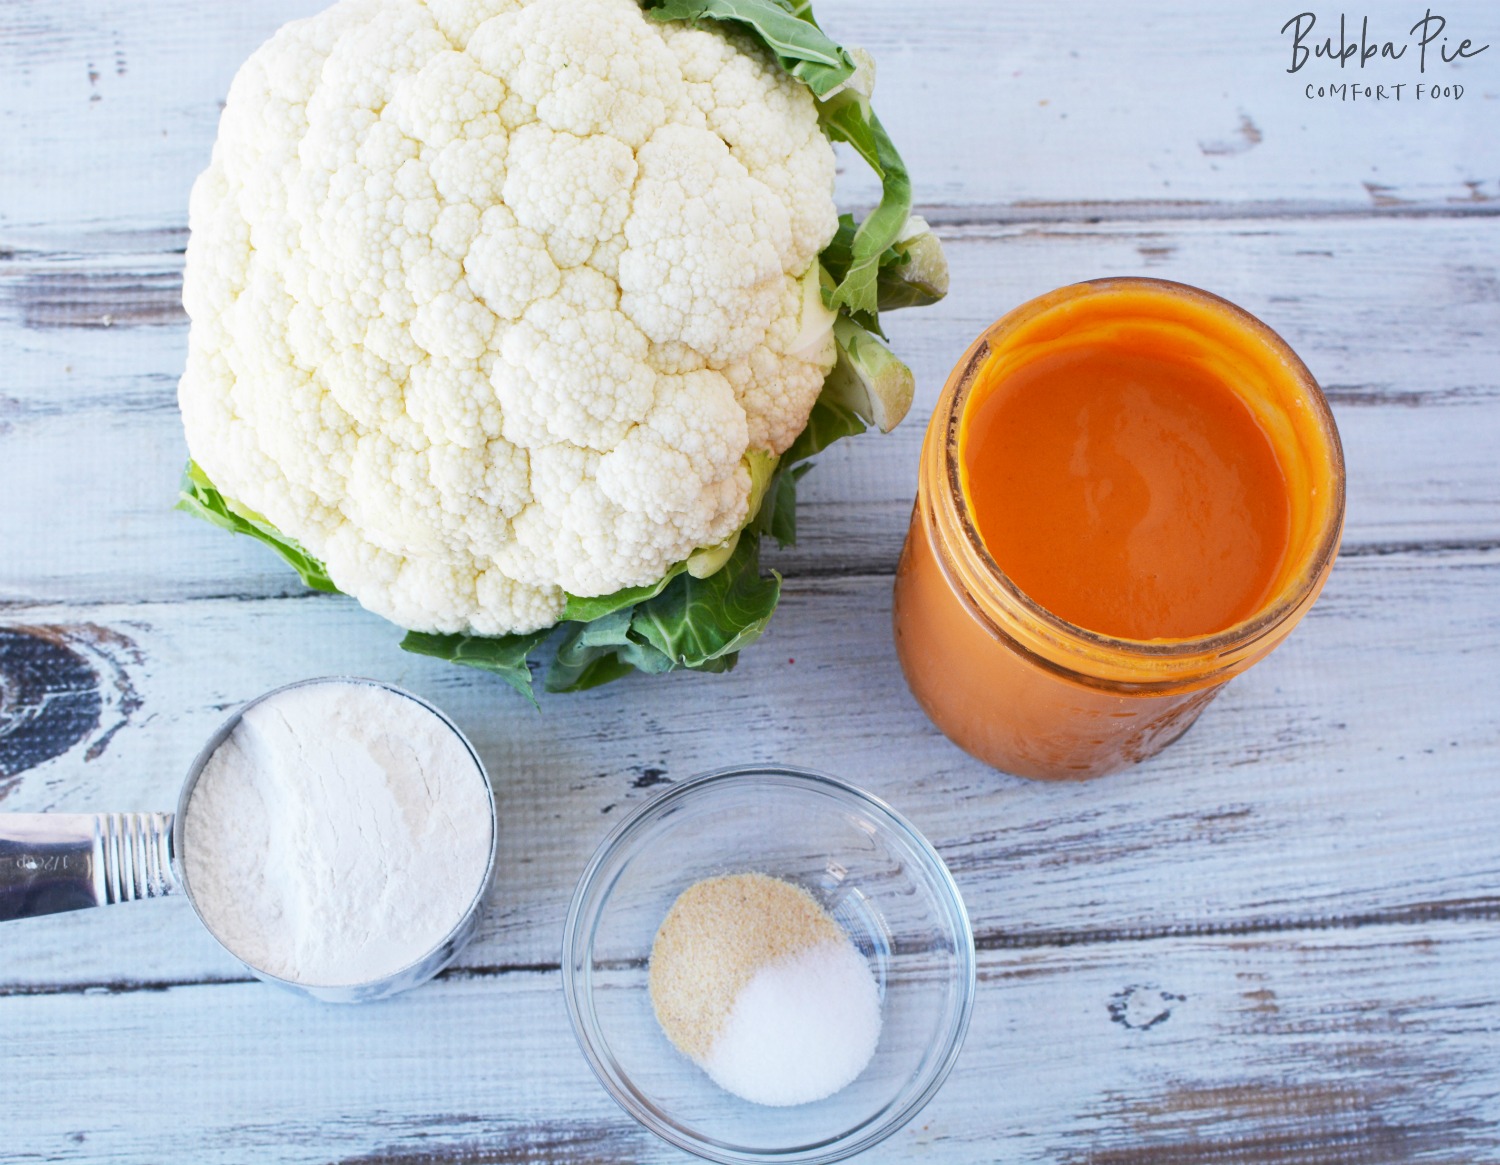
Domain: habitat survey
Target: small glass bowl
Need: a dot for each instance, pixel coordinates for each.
(868, 867)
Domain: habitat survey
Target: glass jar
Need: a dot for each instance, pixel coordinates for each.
(1030, 693)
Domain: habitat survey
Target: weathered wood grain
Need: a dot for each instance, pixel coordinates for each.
(1175, 107)
(1274, 943)
(52, 697)
(1385, 313)
(81, 296)
(1345, 780)
(1214, 1051)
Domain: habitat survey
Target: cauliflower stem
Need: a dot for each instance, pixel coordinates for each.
(700, 624)
(713, 603)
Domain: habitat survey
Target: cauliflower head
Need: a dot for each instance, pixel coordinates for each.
(494, 301)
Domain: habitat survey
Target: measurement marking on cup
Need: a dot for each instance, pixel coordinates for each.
(46, 863)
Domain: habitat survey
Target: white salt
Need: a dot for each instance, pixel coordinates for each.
(803, 1028)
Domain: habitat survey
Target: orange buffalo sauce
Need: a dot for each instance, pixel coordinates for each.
(1125, 488)
(1130, 491)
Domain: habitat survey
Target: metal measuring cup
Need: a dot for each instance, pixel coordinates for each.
(52, 862)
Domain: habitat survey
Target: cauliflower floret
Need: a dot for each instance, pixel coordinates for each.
(585, 66)
(696, 435)
(574, 368)
(715, 286)
(778, 382)
(492, 299)
(573, 191)
(769, 122)
(508, 266)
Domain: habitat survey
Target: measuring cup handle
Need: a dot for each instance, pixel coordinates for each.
(50, 862)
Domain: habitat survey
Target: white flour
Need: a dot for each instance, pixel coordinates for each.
(337, 835)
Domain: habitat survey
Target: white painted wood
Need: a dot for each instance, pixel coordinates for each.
(1260, 1050)
(1018, 105)
(1384, 311)
(1346, 776)
(1312, 868)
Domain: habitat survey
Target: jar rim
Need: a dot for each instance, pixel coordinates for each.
(1233, 641)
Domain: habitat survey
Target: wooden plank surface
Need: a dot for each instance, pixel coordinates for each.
(1300, 758)
(1274, 943)
(1178, 1051)
(1049, 112)
(1419, 418)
